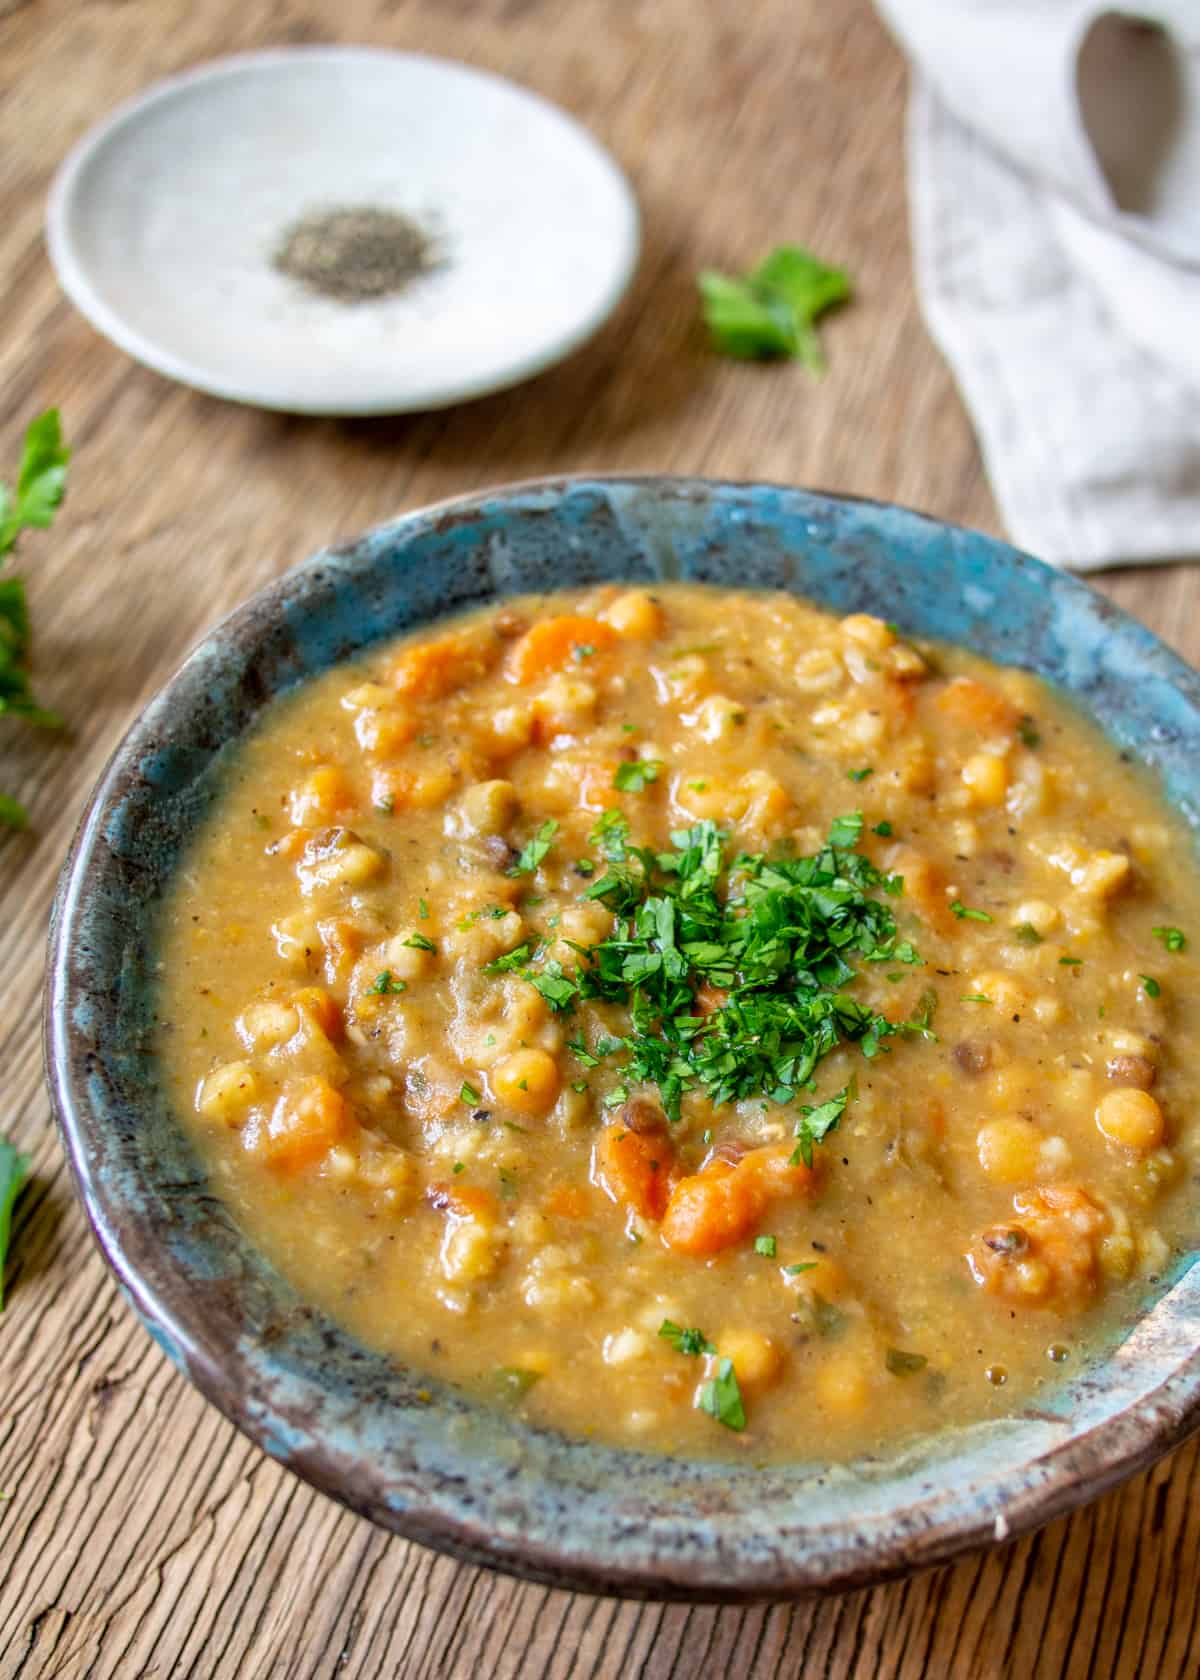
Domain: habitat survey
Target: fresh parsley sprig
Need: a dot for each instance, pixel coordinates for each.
(41, 481)
(772, 310)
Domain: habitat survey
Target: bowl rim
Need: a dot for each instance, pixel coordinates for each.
(1075, 1469)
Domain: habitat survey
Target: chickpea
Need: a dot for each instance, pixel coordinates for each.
(985, 776)
(843, 1385)
(1009, 1149)
(1036, 913)
(716, 718)
(868, 632)
(1131, 1117)
(264, 1025)
(636, 614)
(487, 808)
(405, 961)
(1102, 875)
(1006, 992)
(818, 671)
(228, 1092)
(757, 1360)
(528, 1081)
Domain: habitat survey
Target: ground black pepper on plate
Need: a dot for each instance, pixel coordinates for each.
(355, 254)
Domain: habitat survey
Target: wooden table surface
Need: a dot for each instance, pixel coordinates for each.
(139, 1534)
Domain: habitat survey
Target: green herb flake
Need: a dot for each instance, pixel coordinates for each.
(583, 650)
(636, 776)
(965, 914)
(579, 1085)
(1150, 985)
(765, 1246)
(418, 942)
(974, 997)
(1027, 730)
(1070, 962)
(386, 983)
(844, 831)
(514, 959)
(468, 1094)
(685, 1341)
(513, 1382)
(883, 829)
(772, 311)
(721, 1397)
(800, 1266)
(458, 1167)
(422, 909)
(861, 775)
(815, 1124)
(532, 854)
(1172, 937)
(698, 787)
(14, 1173)
(902, 1364)
(508, 1183)
(1026, 934)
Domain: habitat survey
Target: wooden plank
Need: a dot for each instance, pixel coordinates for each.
(141, 1535)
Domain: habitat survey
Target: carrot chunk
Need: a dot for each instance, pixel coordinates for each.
(431, 670)
(977, 706)
(722, 1203)
(555, 643)
(634, 1169)
(309, 1118)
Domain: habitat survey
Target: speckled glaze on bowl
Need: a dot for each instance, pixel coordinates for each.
(387, 1441)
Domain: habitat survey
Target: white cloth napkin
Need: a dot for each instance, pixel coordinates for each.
(1054, 164)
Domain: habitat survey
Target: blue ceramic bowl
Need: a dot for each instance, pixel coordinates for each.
(390, 1442)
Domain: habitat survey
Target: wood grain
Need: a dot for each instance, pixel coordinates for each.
(140, 1534)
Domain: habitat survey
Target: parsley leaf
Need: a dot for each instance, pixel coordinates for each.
(1150, 985)
(861, 775)
(385, 983)
(844, 831)
(468, 1094)
(419, 942)
(1027, 730)
(966, 915)
(1026, 934)
(513, 1382)
(41, 480)
(815, 1123)
(721, 1397)
(902, 1364)
(1172, 937)
(765, 1246)
(772, 310)
(516, 958)
(533, 853)
(636, 776)
(883, 829)
(685, 1341)
(14, 1171)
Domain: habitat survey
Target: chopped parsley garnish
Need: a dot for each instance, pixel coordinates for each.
(1070, 962)
(965, 914)
(1150, 985)
(513, 1382)
(1027, 730)
(815, 1123)
(1172, 937)
(423, 909)
(765, 1246)
(611, 834)
(801, 1266)
(552, 983)
(385, 983)
(721, 1397)
(685, 1341)
(418, 942)
(861, 775)
(458, 1167)
(637, 775)
(902, 1364)
(583, 650)
(468, 1094)
(772, 311)
(975, 997)
(883, 829)
(514, 959)
(533, 853)
(1026, 934)
(774, 936)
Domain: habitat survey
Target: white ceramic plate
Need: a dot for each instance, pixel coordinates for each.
(163, 221)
